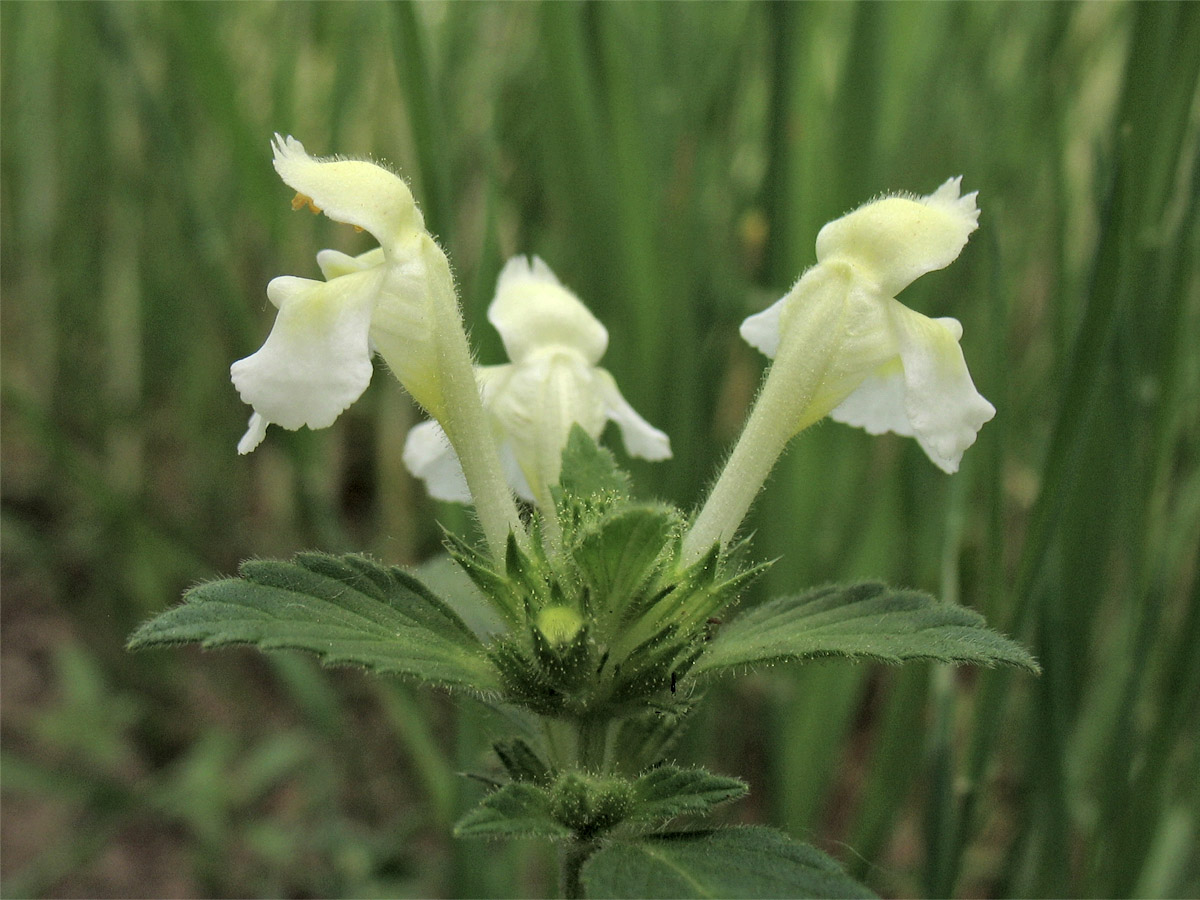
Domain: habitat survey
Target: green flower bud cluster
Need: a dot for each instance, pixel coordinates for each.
(610, 621)
(581, 805)
(590, 804)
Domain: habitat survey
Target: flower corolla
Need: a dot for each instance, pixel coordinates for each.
(552, 383)
(317, 359)
(883, 367)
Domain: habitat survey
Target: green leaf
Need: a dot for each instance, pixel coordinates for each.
(669, 791)
(346, 609)
(519, 809)
(727, 862)
(618, 555)
(469, 584)
(590, 471)
(863, 621)
(644, 740)
(522, 763)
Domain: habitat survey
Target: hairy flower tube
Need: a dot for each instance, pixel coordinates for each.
(397, 300)
(551, 384)
(843, 346)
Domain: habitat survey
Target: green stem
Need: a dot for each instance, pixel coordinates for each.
(574, 855)
(592, 744)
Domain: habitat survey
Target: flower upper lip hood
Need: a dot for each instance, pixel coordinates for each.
(351, 191)
(551, 384)
(895, 240)
(887, 367)
(532, 311)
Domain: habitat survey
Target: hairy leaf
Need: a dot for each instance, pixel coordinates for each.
(867, 621)
(618, 555)
(519, 809)
(727, 862)
(589, 469)
(669, 791)
(346, 609)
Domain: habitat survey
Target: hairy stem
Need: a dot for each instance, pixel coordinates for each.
(574, 855)
(592, 744)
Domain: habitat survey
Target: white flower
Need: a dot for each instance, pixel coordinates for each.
(551, 384)
(884, 367)
(317, 359)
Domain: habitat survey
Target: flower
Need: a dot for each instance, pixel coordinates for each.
(843, 346)
(391, 300)
(884, 367)
(551, 383)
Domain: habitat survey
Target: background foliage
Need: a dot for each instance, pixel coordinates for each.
(672, 163)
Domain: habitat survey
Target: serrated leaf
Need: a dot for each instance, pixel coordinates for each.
(669, 791)
(728, 862)
(867, 621)
(491, 586)
(515, 810)
(645, 739)
(445, 577)
(348, 610)
(590, 471)
(522, 763)
(618, 555)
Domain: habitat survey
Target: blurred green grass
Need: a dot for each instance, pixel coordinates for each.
(672, 163)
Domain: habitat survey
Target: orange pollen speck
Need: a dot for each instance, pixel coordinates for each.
(358, 228)
(301, 200)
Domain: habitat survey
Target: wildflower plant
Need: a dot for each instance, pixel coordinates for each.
(613, 615)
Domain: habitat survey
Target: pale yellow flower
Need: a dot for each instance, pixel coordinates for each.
(888, 367)
(844, 347)
(317, 359)
(552, 383)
